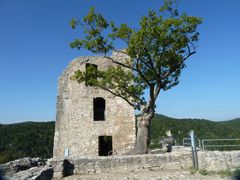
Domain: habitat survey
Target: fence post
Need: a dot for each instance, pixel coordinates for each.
(203, 147)
(194, 150)
(199, 144)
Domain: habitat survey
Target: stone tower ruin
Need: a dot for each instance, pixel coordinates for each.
(91, 121)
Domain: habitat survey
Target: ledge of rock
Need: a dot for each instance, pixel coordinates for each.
(26, 168)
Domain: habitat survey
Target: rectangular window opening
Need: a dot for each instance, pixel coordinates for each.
(104, 145)
(99, 109)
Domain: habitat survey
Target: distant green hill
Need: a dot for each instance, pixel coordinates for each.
(28, 139)
(35, 139)
(235, 123)
(203, 129)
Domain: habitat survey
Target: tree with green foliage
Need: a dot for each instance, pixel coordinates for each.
(157, 52)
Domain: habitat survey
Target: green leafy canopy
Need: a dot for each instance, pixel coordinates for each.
(157, 52)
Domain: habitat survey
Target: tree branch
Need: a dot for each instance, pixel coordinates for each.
(141, 74)
(149, 108)
(121, 64)
(151, 64)
(157, 91)
(173, 70)
(119, 95)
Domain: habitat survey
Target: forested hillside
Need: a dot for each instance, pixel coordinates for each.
(203, 129)
(35, 139)
(235, 123)
(28, 139)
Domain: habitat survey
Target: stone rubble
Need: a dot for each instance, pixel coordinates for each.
(17, 165)
(164, 166)
(26, 169)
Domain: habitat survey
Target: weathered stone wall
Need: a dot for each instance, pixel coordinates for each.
(177, 160)
(219, 160)
(75, 129)
(115, 164)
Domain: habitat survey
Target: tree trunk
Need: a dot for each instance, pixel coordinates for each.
(142, 142)
(143, 135)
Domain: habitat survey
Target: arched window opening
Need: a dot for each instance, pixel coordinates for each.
(99, 109)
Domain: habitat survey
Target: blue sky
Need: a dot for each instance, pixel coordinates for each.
(34, 49)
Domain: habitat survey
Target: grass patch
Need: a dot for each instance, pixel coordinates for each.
(193, 170)
(230, 173)
(225, 173)
(204, 172)
(236, 172)
(222, 173)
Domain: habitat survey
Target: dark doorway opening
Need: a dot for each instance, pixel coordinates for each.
(105, 145)
(99, 109)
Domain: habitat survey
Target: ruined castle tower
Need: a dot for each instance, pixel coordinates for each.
(91, 121)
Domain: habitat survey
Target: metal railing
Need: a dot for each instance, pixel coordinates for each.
(214, 144)
(206, 143)
(187, 142)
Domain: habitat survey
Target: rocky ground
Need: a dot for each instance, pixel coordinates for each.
(39, 169)
(149, 175)
(35, 168)
(25, 169)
